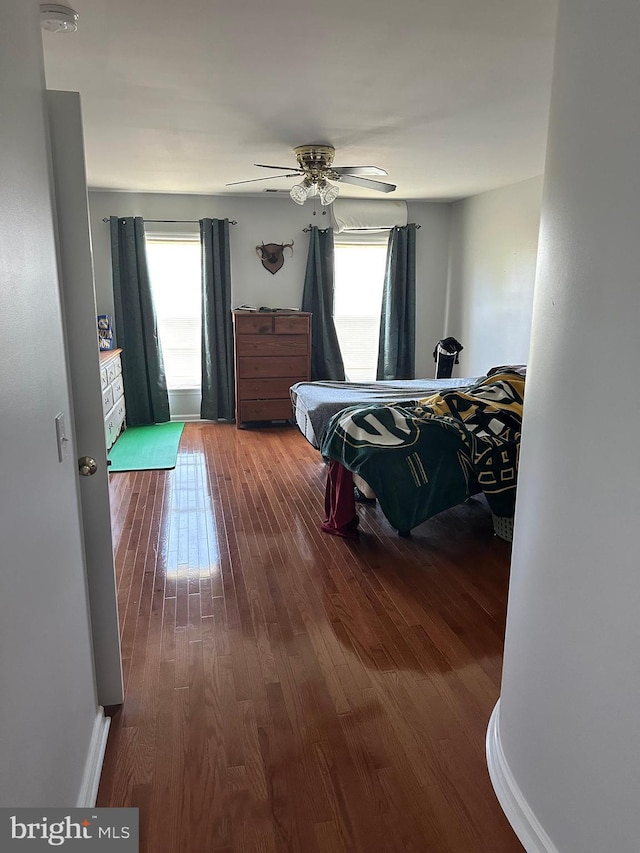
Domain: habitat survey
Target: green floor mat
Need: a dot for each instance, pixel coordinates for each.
(146, 448)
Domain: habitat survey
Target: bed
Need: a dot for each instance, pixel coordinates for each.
(315, 403)
(426, 456)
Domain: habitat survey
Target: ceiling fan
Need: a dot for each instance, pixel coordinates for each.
(315, 164)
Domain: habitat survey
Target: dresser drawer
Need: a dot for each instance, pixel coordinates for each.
(117, 387)
(272, 366)
(266, 410)
(104, 381)
(254, 324)
(119, 410)
(107, 399)
(111, 431)
(291, 325)
(272, 345)
(109, 434)
(269, 389)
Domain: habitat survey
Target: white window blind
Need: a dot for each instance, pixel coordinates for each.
(174, 270)
(359, 279)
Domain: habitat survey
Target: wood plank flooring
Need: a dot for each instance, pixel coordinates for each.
(291, 691)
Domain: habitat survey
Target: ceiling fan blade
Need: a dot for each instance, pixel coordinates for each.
(359, 170)
(367, 183)
(268, 178)
(286, 168)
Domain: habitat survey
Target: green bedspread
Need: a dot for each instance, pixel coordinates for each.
(429, 455)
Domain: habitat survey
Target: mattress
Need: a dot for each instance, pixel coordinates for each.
(315, 403)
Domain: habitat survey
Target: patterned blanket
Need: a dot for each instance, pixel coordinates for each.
(428, 455)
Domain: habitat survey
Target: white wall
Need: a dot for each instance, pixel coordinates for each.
(494, 240)
(47, 696)
(568, 717)
(277, 220)
(268, 220)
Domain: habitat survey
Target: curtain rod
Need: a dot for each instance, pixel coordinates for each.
(358, 230)
(194, 221)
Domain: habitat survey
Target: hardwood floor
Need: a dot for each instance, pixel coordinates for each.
(287, 690)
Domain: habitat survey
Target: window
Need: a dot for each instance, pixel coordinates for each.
(174, 270)
(359, 280)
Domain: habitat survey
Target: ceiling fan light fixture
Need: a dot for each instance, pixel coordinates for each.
(300, 192)
(55, 18)
(328, 194)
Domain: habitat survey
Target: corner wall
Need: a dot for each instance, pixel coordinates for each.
(492, 262)
(568, 722)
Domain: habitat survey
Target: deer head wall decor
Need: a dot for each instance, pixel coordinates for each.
(272, 255)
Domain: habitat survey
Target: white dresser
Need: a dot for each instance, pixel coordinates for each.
(112, 394)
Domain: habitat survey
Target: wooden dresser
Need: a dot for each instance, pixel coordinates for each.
(112, 394)
(272, 353)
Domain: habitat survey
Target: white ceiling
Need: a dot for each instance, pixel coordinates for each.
(449, 96)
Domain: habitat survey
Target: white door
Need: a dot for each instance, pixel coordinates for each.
(79, 311)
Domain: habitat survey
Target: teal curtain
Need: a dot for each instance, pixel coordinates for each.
(326, 359)
(396, 351)
(145, 384)
(217, 331)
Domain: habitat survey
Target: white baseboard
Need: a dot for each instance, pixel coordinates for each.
(519, 814)
(93, 765)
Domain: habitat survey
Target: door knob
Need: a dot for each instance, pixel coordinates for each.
(87, 466)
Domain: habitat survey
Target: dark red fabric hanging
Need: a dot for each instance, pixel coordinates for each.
(339, 503)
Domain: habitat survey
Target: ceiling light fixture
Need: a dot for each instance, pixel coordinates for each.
(58, 19)
(314, 183)
(300, 192)
(328, 193)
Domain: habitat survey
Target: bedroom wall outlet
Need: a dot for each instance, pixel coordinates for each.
(62, 438)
